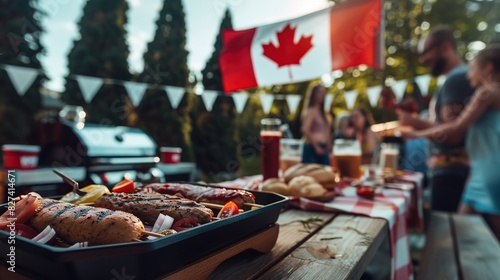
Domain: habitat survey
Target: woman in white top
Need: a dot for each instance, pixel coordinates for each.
(316, 127)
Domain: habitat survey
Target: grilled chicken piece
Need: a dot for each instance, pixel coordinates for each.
(76, 223)
(148, 206)
(219, 196)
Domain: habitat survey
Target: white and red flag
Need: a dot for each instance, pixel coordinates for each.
(344, 35)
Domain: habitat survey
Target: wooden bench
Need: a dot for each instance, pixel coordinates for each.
(459, 247)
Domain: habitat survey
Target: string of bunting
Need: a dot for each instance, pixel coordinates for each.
(23, 77)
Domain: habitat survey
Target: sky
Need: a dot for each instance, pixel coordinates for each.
(203, 19)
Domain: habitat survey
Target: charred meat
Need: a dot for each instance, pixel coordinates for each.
(147, 206)
(204, 194)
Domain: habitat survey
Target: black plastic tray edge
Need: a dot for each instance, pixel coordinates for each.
(76, 259)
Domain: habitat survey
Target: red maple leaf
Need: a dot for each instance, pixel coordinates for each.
(288, 52)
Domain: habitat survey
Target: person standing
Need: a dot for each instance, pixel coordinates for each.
(361, 121)
(448, 163)
(481, 121)
(316, 127)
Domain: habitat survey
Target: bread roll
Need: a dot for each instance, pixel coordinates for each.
(275, 185)
(323, 174)
(306, 186)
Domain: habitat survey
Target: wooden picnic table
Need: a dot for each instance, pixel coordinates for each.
(309, 245)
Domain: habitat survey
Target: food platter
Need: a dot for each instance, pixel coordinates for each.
(146, 259)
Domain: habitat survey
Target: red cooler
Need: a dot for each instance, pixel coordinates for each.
(20, 156)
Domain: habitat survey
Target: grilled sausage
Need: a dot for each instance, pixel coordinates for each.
(205, 194)
(76, 223)
(147, 206)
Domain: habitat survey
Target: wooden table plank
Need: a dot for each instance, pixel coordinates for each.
(249, 265)
(340, 250)
(439, 248)
(478, 249)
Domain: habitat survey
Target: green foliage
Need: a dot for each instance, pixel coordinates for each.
(214, 134)
(20, 32)
(101, 51)
(165, 63)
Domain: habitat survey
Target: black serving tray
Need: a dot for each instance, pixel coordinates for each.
(141, 260)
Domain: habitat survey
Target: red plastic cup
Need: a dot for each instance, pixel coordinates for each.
(170, 155)
(20, 156)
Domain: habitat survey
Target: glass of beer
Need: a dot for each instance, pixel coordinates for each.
(389, 156)
(290, 153)
(270, 135)
(347, 155)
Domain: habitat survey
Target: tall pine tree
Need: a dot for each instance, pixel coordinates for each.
(214, 133)
(20, 45)
(101, 51)
(165, 63)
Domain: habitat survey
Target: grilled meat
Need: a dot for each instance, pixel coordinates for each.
(148, 206)
(205, 194)
(76, 223)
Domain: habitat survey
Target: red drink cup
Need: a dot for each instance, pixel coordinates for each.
(270, 136)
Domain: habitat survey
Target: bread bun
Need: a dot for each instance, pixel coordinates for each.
(306, 186)
(275, 185)
(324, 175)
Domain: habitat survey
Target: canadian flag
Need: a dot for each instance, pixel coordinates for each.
(344, 35)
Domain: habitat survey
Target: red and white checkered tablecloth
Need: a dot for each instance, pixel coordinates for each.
(397, 206)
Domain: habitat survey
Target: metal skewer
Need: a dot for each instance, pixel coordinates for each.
(70, 182)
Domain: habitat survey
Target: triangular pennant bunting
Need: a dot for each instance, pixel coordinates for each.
(374, 95)
(423, 82)
(89, 86)
(328, 102)
(293, 102)
(267, 101)
(135, 91)
(240, 100)
(399, 89)
(440, 80)
(350, 98)
(175, 95)
(209, 97)
(21, 77)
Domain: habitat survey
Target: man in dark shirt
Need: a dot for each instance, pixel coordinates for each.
(448, 163)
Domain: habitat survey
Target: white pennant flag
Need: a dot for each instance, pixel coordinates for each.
(293, 102)
(399, 89)
(240, 100)
(440, 80)
(374, 95)
(423, 83)
(267, 101)
(350, 98)
(21, 77)
(135, 91)
(328, 102)
(209, 97)
(89, 86)
(175, 95)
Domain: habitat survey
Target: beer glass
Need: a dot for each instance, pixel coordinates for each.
(389, 156)
(270, 135)
(290, 152)
(347, 153)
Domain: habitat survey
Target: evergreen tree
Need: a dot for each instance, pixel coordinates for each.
(20, 45)
(101, 51)
(165, 63)
(214, 133)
